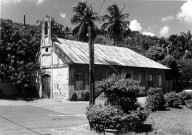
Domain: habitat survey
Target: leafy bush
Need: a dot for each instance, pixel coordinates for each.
(121, 110)
(185, 95)
(185, 67)
(111, 117)
(172, 99)
(121, 92)
(155, 100)
(102, 117)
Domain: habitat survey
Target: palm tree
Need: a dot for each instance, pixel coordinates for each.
(116, 23)
(85, 18)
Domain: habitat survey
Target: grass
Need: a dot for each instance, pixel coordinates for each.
(173, 121)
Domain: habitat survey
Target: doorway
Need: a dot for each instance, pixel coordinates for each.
(46, 86)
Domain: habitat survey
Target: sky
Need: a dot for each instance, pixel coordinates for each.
(160, 18)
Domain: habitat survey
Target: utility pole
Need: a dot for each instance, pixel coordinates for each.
(91, 70)
(24, 21)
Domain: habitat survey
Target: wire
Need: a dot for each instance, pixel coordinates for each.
(101, 6)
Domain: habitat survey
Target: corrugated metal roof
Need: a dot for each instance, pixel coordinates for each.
(78, 52)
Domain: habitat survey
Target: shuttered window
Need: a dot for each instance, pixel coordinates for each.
(79, 81)
(160, 81)
(150, 80)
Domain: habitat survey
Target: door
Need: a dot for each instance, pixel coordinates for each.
(46, 86)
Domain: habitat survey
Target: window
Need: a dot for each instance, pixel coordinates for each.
(150, 81)
(160, 80)
(139, 78)
(79, 81)
(46, 49)
(97, 77)
(128, 76)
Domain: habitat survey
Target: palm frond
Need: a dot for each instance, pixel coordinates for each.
(80, 7)
(113, 10)
(76, 18)
(106, 18)
(107, 24)
(96, 18)
(122, 9)
(124, 16)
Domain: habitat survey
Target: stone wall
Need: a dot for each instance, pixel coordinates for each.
(60, 82)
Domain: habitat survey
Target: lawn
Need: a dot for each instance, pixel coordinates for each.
(173, 121)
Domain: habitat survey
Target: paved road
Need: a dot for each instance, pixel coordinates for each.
(42, 118)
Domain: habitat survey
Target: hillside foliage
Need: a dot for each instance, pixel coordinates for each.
(19, 46)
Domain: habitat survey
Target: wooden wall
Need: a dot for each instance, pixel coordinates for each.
(106, 71)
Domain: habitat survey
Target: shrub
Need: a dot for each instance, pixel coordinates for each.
(120, 91)
(111, 117)
(185, 67)
(155, 100)
(172, 99)
(121, 110)
(185, 95)
(104, 117)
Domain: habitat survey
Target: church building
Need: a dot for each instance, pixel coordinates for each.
(62, 67)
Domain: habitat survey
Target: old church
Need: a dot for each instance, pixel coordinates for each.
(62, 67)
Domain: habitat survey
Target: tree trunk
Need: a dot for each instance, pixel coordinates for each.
(91, 70)
(114, 43)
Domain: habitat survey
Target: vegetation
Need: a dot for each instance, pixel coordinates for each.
(185, 67)
(84, 18)
(18, 48)
(19, 45)
(173, 99)
(116, 23)
(155, 100)
(121, 110)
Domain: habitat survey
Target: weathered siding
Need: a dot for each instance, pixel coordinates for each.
(106, 71)
(78, 94)
(35, 81)
(60, 82)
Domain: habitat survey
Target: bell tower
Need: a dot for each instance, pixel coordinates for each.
(46, 59)
(46, 43)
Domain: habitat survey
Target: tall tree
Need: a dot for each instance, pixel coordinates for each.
(115, 23)
(18, 48)
(188, 44)
(85, 18)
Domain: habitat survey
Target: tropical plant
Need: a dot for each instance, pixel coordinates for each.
(115, 23)
(85, 19)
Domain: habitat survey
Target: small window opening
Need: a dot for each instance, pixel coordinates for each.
(128, 75)
(46, 50)
(46, 28)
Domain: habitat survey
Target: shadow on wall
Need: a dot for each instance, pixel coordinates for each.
(84, 97)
